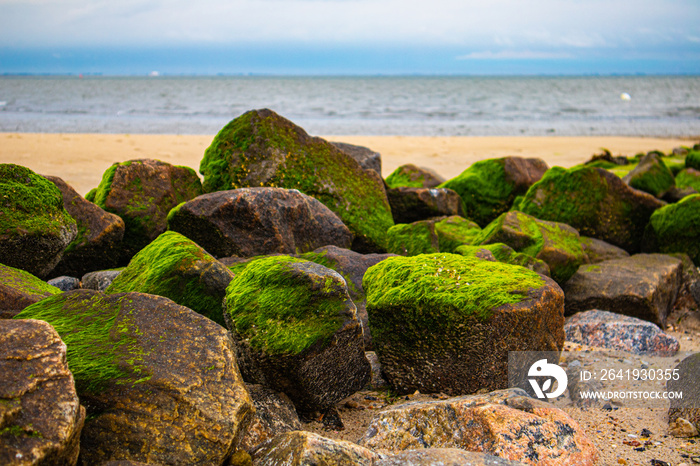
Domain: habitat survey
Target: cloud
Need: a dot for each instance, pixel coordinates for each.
(515, 55)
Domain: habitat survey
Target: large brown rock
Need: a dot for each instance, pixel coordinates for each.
(409, 205)
(686, 408)
(40, 414)
(100, 233)
(159, 381)
(256, 221)
(142, 192)
(643, 286)
(19, 289)
(300, 448)
(506, 423)
(445, 323)
(598, 250)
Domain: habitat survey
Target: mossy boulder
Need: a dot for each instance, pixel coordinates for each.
(35, 229)
(142, 192)
(175, 267)
(676, 228)
(644, 286)
(651, 176)
(19, 289)
(692, 159)
(439, 234)
(413, 204)
(258, 221)
(557, 244)
(689, 178)
(159, 381)
(100, 234)
(260, 148)
(445, 323)
(489, 187)
(411, 176)
(297, 331)
(595, 202)
(503, 253)
(40, 414)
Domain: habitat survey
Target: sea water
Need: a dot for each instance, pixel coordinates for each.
(425, 106)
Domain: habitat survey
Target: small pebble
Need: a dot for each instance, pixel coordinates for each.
(645, 433)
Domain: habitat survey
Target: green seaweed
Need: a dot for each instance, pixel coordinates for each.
(25, 282)
(455, 231)
(692, 160)
(445, 288)
(656, 179)
(688, 178)
(677, 227)
(410, 239)
(405, 177)
(280, 310)
(30, 204)
(101, 347)
(175, 267)
(484, 189)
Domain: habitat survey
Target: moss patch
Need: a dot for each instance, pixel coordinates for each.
(175, 267)
(280, 306)
(677, 227)
(410, 239)
(260, 148)
(689, 178)
(692, 160)
(652, 176)
(30, 204)
(455, 231)
(25, 282)
(101, 348)
(404, 176)
(484, 189)
(441, 289)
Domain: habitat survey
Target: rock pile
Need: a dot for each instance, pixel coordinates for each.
(199, 322)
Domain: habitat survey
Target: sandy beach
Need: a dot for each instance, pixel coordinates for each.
(80, 159)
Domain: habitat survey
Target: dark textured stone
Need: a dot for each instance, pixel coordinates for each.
(142, 192)
(687, 408)
(367, 158)
(19, 289)
(100, 280)
(296, 331)
(412, 204)
(300, 448)
(643, 286)
(159, 381)
(445, 323)
(274, 415)
(98, 244)
(598, 250)
(40, 414)
(65, 283)
(595, 202)
(260, 148)
(257, 221)
(619, 332)
(411, 176)
(505, 423)
(444, 457)
(35, 229)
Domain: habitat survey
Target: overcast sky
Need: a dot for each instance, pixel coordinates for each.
(427, 32)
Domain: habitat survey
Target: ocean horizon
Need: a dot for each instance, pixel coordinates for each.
(421, 105)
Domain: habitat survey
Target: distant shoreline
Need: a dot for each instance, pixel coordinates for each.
(81, 159)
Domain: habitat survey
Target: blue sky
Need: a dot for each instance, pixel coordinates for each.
(350, 36)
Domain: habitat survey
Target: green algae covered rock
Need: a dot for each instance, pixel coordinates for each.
(489, 187)
(142, 192)
(19, 289)
(503, 253)
(445, 323)
(692, 160)
(175, 267)
(35, 229)
(595, 202)
(159, 381)
(689, 178)
(651, 176)
(297, 331)
(557, 244)
(260, 148)
(440, 234)
(411, 176)
(676, 228)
